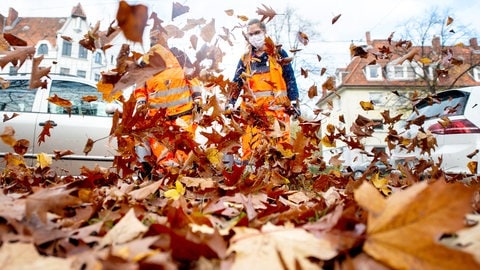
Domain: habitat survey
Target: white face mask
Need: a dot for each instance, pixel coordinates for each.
(257, 41)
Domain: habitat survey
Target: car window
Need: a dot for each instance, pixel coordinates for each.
(451, 103)
(17, 97)
(76, 92)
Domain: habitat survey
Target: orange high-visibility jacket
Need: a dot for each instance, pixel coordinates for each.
(268, 86)
(169, 89)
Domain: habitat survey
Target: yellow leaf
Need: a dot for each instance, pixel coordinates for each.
(381, 184)
(425, 60)
(176, 192)
(214, 156)
(327, 142)
(472, 166)
(367, 105)
(43, 160)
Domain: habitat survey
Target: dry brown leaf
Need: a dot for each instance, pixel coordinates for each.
(38, 73)
(312, 91)
(132, 19)
(17, 57)
(449, 20)
(14, 40)
(335, 19)
(208, 31)
(404, 216)
(293, 245)
(267, 13)
(178, 9)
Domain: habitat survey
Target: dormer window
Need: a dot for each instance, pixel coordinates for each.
(373, 72)
(476, 74)
(42, 49)
(401, 72)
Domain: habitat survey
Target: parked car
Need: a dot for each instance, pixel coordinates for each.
(70, 131)
(359, 168)
(457, 138)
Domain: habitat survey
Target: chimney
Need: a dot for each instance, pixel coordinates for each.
(368, 38)
(12, 18)
(474, 43)
(436, 44)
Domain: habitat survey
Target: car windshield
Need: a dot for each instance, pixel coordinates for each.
(17, 97)
(448, 103)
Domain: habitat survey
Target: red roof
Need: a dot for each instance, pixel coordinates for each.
(355, 75)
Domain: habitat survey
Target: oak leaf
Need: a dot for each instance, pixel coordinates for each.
(17, 57)
(38, 73)
(45, 131)
(403, 216)
(6, 117)
(267, 13)
(53, 200)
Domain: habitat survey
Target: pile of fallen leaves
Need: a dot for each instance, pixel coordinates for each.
(286, 209)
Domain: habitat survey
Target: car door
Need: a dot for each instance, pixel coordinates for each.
(20, 107)
(73, 127)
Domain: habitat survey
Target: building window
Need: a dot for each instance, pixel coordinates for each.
(378, 124)
(13, 71)
(377, 98)
(42, 49)
(81, 73)
(64, 71)
(82, 52)
(373, 72)
(97, 77)
(67, 48)
(98, 58)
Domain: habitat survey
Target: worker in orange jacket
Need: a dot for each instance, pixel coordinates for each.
(271, 85)
(172, 91)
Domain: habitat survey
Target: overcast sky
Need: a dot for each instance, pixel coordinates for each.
(380, 17)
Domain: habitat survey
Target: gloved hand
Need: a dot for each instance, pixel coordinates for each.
(197, 104)
(294, 110)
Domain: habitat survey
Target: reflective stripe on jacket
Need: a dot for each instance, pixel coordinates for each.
(168, 89)
(266, 82)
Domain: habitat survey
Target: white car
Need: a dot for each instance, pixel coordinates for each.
(87, 120)
(452, 117)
